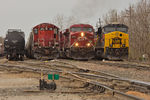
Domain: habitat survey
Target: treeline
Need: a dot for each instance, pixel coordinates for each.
(137, 17)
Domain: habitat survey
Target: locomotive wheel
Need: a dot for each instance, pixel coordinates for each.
(9, 57)
(21, 58)
(37, 56)
(56, 55)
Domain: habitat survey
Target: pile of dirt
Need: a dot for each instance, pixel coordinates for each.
(138, 94)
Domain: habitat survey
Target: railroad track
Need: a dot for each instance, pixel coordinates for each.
(99, 80)
(93, 73)
(97, 74)
(123, 65)
(114, 64)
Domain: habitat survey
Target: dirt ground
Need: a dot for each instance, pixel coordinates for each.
(24, 86)
(131, 73)
(16, 85)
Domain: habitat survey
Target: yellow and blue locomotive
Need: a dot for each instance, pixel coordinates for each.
(113, 42)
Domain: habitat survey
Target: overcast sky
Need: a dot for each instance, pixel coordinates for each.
(25, 14)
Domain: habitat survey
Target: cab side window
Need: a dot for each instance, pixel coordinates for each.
(50, 29)
(42, 29)
(35, 31)
(55, 30)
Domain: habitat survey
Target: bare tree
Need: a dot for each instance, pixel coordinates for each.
(64, 22)
(71, 20)
(59, 20)
(112, 16)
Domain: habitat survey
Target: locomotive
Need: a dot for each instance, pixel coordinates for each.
(43, 42)
(1, 46)
(14, 44)
(113, 42)
(79, 42)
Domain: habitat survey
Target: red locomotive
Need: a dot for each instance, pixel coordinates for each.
(79, 42)
(43, 42)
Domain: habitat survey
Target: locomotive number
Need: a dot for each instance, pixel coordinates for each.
(116, 41)
(81, 39)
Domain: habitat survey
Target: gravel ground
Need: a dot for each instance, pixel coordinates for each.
(13, 84)
(131, 73)
(24, 86)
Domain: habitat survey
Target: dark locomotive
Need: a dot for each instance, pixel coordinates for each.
(14, 44)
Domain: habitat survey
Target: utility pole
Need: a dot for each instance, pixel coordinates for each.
(130, 15)
(116, 16)
(96, 26)
(100, 22)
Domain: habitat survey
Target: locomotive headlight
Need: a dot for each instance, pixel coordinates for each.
(7, 46)
(88, 44)
(82, 34)
(6, 40)
(76, 44)
(124, 45)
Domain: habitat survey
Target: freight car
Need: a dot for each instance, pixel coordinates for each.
(79, 42)
(1, 46)
(113, 42)
(43, 42)
(14, 44)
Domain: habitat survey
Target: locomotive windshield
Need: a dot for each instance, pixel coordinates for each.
(122, 29)
(35, 31)
(78, 29)
(46, 29)
(87, 29)
(109, 29)
(42, 29)
(117, 27)
(15, 34)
